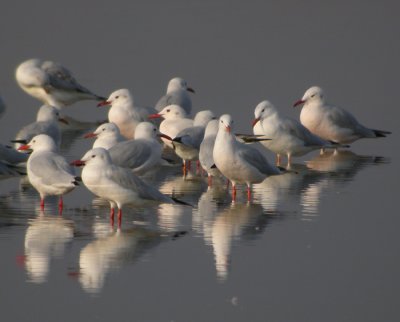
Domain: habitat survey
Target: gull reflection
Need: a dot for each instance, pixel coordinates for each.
(285, 192)
(111, 252)
(344, 163)
(228, 226)
(46, 237)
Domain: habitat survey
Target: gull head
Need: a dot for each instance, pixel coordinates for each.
(41, 142)
(146, 130)
(203, 117)
(106, 129)
(119, 97)
(263, 110)
(225, 123)
(170, 112)
(48, 113)
(178, 83)
(96, 156)
(313, 94)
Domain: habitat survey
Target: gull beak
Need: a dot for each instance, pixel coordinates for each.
(104, 103)
(78, 163)
(63, 120)
(162, 135)
(90, 135)
(189, 89)
(255, 121)
(24, 147)
(228, 129)
(299, 102)
(154, 116)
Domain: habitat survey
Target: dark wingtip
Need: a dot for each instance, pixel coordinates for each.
(213, 166)
(180, 202)
(381, 134)
(19, 141)
(177, 139)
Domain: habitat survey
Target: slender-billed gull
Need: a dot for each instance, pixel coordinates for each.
(175, 120)
(48, 172)
(51, 83)
(330, 122)
(107, 135)
(47, 120)
(124, 113)
(239, 162)
(177, 94)
(119, 186)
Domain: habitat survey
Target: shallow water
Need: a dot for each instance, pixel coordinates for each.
(319, 243)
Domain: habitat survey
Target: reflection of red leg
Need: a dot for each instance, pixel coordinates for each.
(42, 204)
(227, 183)
(185, 170)
(189, 165)
(209, 180)
(60, 205)
(233, 192)
(197, 166)
(112, 216)
(278, 159)
(119, 218)
(248, 193)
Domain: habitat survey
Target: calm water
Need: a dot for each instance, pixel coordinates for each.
(320, 243)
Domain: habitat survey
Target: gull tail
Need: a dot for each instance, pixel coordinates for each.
(381, 134)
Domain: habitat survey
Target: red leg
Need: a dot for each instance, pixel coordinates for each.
(184, 168)
(60, 205)
(189, 165)
(209, 180)
(42, 204)
(233, 192)
(112, 216)
(119, 218)
(248, 193)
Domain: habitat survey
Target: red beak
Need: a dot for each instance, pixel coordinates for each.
(162, 135)
(154, 116)
(255, 121)
(189, 89)
(299, 102)
(104, 103)
(78, 163)
(24, 147)
(62, 120)
(90, 135)
(228, 129)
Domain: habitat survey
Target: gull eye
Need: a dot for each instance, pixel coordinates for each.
(154, 130)
(93, 156)
(312, 95)
(262, 110)
(116, 97)
(103, 129)
(168, 110)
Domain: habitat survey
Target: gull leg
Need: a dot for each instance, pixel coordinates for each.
(42, 204)
(60, 205)
(233, 192)
(119, 217)
(209, 180)
(248, 193)
(112, 212)
(278, 159)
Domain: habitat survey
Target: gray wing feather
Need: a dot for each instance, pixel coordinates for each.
(257, 160)
(128, 180)
(296, 129)
(130, 154)
(61, 78)
(52, 168)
